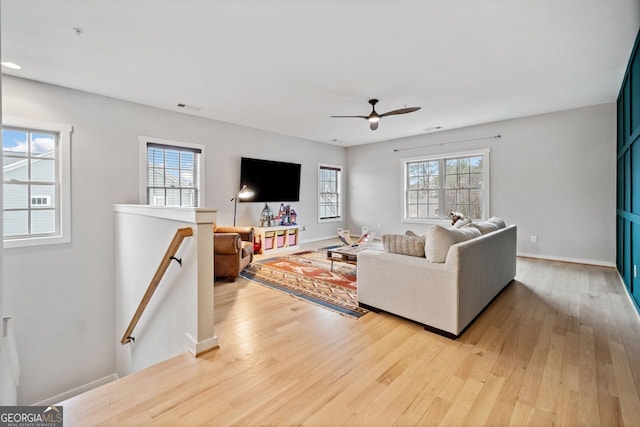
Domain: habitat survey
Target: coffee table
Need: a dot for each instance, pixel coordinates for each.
(349, 254)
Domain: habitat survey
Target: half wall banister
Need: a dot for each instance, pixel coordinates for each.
(181, 233)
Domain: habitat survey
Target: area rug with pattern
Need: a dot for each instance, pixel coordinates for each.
(308, 276)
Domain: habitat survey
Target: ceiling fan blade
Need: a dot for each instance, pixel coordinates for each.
(373, 125)
(347, 117)
(400, 111)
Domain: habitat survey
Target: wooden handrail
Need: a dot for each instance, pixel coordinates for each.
(155, 281)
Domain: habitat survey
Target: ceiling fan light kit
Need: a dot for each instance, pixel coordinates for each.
(374, 117)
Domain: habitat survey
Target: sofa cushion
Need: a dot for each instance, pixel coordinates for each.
(492, 224)
(405, 245)
(440, 239)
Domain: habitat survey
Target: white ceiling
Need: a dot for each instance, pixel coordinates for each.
(285, 66)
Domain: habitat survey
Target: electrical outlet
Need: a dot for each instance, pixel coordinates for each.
(534, 239)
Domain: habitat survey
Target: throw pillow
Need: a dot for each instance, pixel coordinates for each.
(411, 233)
(484, 227)
(498, 222)
(462, 223)
(492, 224)
(440, 239)
(405, 245)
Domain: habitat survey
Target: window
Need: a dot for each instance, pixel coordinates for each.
(36, 183)
(329, 203)
(435, 186)
(173, 173)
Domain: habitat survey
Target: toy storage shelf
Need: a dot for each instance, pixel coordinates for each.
(278, 238)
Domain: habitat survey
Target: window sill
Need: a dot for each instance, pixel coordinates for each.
(323, 220)
(36, 241)
(443, 222)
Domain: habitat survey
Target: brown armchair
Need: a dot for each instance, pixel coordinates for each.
(232, 250)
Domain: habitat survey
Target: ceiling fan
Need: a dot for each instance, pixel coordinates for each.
(374, 117)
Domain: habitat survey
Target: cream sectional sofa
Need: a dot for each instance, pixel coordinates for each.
(444, 296)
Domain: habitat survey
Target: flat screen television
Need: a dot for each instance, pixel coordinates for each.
(270, 181)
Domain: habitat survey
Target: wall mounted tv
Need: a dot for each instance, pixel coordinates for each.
(271, 181)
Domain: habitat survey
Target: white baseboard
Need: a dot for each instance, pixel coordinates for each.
(625, 290)
(76, 391)
(567, 259)
(197, 348)
(318, 239)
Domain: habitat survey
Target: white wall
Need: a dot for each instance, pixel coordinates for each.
(552, 174)
(62, 297)
(179, 316)
(8, 396)
(8, 392)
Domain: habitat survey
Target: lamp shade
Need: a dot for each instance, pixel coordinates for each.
(245, 193)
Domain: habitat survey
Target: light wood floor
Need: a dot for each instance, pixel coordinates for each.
(560, 346)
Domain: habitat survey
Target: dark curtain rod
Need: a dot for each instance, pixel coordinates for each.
(498, 136)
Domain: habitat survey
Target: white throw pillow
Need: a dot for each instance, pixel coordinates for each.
(423, 236)
(492, 224)
(498, 222)
(484, 227)
(462, 222)
(440, 239)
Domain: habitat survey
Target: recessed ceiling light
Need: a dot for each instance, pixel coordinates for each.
(11, 65)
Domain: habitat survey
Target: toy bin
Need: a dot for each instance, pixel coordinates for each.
(257, 245)
(293, 237)
(281, 238)
(269, 239)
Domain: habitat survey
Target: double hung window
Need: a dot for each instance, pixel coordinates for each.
(435, 186)
(174, 174)
(36, 183)
(329, 193)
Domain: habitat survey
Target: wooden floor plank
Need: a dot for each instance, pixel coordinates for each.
(462, 403)
(560, 346)
(483, 404)
(587, 381)
(627, 391)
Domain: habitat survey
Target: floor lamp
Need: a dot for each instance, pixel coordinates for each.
(244, 193)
